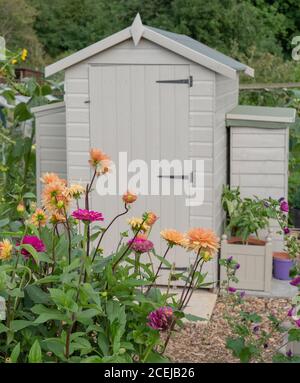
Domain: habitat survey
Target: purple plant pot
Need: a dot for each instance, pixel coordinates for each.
(281, 268)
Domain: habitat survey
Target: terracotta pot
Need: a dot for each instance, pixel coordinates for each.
(253, 241)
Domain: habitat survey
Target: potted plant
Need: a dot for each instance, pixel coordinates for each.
(245, 218)
(283, 261)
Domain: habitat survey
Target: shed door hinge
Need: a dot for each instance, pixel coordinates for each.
(188, 81)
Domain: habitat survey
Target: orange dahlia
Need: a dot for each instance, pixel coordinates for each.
(201, 239)
(173, 237)
(100, 161)
(151, 219)
(129, 197)
(55, 197)
(39, 218)
(49, 178)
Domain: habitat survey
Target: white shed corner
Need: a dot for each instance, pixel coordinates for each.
(51, 154)
(259, 152)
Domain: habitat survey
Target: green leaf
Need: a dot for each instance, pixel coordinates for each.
(63, 299)
(21, 112)
(29, 196)
(294, 335)
(85, 315)
(35, 353)
(17, 325)
(103, 344)
(15, 353)
(155, 357)
(4, 222)
(56, 346)
(37, 295)
(3, 328)
(92, 359)
(31, 250)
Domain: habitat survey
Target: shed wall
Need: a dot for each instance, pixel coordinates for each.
(259, 164)
(51, 143)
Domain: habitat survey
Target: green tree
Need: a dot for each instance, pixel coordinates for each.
(17, 19)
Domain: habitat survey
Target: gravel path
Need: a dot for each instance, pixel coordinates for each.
(205, 343)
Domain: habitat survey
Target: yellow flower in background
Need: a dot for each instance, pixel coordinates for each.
(201, 239)
(6, 248)
(14, 61)
(173, 237)
(76, 191)
(39, 218)
(137, 223)
(24, 54)
(21, 208)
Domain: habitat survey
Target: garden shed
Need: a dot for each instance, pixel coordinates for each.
(155, 95)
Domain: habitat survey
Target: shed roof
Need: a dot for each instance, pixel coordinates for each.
(260, 116)
(180, 44)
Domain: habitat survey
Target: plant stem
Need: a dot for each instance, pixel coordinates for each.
(158, 270)
(105, 230)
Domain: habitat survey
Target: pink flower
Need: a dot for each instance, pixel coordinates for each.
(35, 242)
(87, 215)
(286, 230)
(295, 281)
(231, 289)
(141, 244)
(284, 206)
(297, 322)
(161, 318)
(291, 312)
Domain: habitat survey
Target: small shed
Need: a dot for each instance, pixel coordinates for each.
(259, 153)
(155, 95)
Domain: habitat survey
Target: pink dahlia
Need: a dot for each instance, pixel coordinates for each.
(161, 318)
(140, 244)
(231, 289)
(35, 242)
(87, 215)
(284, 206)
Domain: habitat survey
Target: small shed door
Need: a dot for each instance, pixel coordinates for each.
(131, 112)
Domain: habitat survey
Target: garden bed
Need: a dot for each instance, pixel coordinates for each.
(205, 343)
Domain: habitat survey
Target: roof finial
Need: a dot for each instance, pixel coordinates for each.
(137, 29)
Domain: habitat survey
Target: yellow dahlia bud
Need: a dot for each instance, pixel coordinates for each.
(206, 256)
(20, 208)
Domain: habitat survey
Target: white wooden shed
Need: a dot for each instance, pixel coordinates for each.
(123, 94)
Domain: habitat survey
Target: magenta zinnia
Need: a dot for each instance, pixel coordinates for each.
(35, 242)
(87, 215)
(161, 318)
(140, 244)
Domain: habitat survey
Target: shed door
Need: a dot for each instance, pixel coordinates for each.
(131, 112)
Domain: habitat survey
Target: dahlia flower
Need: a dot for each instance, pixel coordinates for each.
(76, 191)
(35, 242)
(87, 215)
(140, 244)
(173, 237)
(151, 218)
(49, 178)
(6, 248)
(55, 197)
(198, 238)
(99, 161)
(137, 224)
(284, 206)
(39, 218)
(161, 318)
(129, 197)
